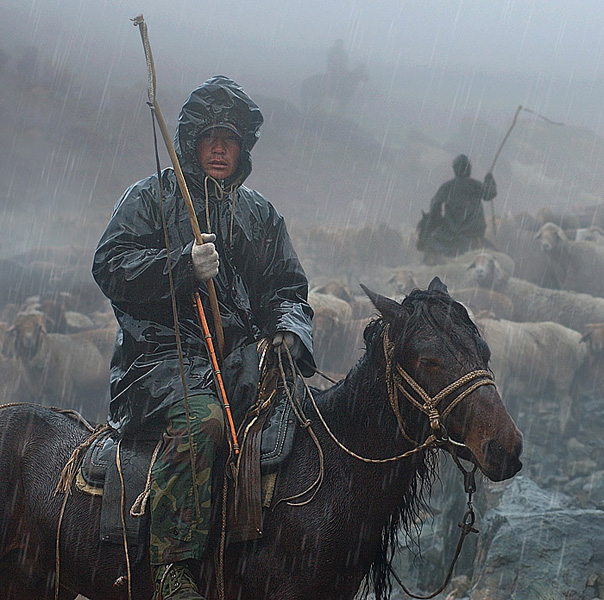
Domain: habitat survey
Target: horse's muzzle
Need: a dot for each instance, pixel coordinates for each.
(500, 464)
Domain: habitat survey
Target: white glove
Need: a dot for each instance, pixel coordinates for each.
(205, 258)
(291, 340)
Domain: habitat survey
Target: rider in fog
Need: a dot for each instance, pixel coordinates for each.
(261, 289)
(456, 222)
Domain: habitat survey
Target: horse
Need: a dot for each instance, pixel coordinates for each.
(324, 90)
(422, 384)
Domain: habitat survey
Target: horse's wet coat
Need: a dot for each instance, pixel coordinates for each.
(322, 549)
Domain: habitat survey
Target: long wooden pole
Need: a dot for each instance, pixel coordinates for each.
(140, 22)
(505, 139)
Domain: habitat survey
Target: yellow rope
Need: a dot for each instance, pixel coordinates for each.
(138, 508)
(57, 546)
(118, 463)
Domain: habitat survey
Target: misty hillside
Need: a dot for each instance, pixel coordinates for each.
(70, 149)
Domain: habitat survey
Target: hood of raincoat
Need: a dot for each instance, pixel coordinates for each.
(462, 166)
(217, 101)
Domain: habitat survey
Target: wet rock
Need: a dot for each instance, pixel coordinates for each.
(536, 545)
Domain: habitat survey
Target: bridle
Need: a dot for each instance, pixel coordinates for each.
(396, 375)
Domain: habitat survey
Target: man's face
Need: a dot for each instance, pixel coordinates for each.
(218, 152)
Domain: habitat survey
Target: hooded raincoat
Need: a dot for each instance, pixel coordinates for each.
(261, 286)
(463, 221)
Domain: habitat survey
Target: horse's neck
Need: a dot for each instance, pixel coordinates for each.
(359, 413)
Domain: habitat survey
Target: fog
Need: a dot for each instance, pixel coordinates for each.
(435, 78)
(443, 77)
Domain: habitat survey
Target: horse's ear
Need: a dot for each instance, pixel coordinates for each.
(388, 308)
(436, 285)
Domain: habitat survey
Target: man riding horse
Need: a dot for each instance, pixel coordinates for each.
(455, 222)
(146, 256)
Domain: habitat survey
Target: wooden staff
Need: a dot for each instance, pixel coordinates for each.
(505, 139)
(140, 22)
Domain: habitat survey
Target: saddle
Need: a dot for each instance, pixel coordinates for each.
(119, 479)
(123, 479)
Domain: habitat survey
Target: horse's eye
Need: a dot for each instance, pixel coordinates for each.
(426, 362)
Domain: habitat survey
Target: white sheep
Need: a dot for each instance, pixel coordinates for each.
(590, 234)
(62, 368)
(536, 360)
(578, 265)
(534, 303)
(338, 337)
(453, 273)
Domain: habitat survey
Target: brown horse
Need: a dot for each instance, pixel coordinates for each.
(423, 355)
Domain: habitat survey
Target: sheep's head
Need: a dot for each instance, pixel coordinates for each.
(594, 337)
(486, 271)
(402, 282)
(551, 236)
(336, 288)
(589, 234)
(28, 331)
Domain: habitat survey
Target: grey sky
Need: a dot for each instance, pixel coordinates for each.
(442, 67)
(563, 36)
(271, 45)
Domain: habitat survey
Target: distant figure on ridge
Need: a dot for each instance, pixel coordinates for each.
(337, 60)
(333, 89)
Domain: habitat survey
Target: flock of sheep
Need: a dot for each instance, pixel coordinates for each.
(538, 300)
(57, 332)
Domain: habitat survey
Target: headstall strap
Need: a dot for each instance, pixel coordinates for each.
(394, 382)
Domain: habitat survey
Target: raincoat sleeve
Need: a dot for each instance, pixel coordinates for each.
(130, 263)
(284, 290)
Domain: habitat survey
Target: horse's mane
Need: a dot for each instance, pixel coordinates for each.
(439, 310)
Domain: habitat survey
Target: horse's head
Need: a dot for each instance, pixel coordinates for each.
(437, 367)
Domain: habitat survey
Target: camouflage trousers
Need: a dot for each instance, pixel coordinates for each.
(179, 527)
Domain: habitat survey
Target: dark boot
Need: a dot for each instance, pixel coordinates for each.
(175, 582)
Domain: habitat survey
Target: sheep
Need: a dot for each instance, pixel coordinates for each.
(590, 234)
(480, 300)
(361, 305)
(593, 336)
(534, 303)
(338, 337)
(454, 273)
(578, 265)
(15, 385)
(516, 237)
(61, 367)
(536, 359)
